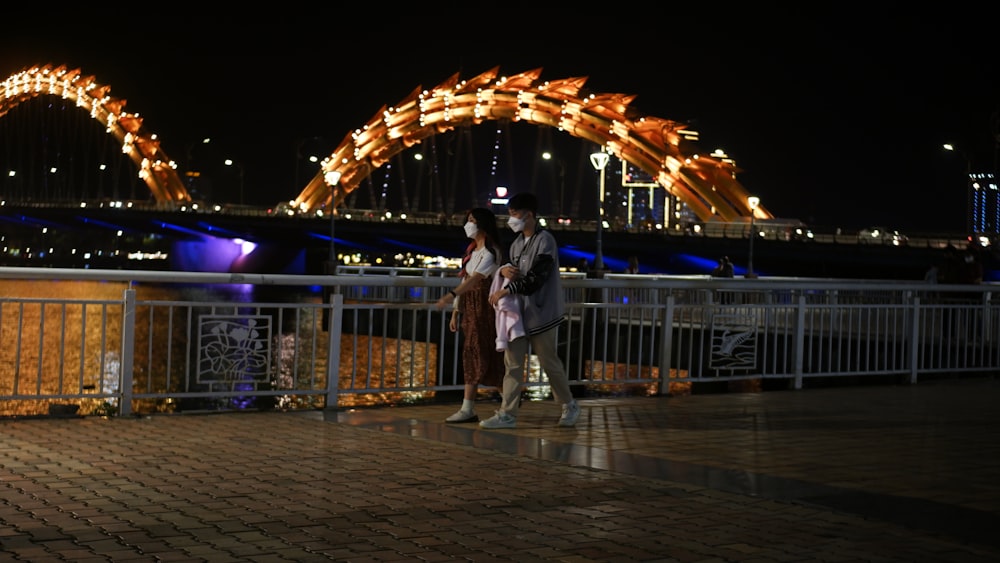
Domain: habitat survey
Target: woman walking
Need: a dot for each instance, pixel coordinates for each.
(472, 314)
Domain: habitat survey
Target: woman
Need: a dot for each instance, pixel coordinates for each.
(482, 363)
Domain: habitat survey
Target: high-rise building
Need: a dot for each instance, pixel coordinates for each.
(984, 209)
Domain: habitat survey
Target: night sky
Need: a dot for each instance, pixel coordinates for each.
(836, 117)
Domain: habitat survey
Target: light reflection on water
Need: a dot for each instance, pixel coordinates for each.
(37, 365)
(83, 358)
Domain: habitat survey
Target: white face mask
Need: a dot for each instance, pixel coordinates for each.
(471, 229)
(515, 224)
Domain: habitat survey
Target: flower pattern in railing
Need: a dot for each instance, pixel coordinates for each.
(234, 349)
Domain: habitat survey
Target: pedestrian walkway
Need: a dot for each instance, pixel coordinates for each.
(860, 473)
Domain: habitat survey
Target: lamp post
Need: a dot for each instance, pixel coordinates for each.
(752, 202)
(310, 149)
(970, 223)
(239, 166)
(192, 174)
(562, 181)
(599, 160)
(332, 179)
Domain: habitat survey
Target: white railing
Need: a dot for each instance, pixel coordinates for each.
(144, 342)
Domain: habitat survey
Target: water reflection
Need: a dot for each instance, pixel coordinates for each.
(62, 339)
(211, 347)
(39, 357)
(239, 346)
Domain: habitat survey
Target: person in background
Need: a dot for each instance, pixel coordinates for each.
(633, 265)
(972, 264)
(533, 274)
(724, 269)
(931, 275)
(961, 266)
(950, 267)
(472, 313)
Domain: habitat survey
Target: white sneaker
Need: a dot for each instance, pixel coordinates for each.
(499, 420)
(570, 412)
(462, 416)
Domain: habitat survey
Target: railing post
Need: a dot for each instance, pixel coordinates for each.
(987, 302)
(914, 337)
(800, 340)
(127, 353)
(333, 350)
(666, 345)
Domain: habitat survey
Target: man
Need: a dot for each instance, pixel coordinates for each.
(533, 274)
(724, 269)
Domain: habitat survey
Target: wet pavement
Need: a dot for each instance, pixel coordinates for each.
(859, 473)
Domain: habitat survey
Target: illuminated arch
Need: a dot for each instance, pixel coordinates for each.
(155, 168)
(659, 147)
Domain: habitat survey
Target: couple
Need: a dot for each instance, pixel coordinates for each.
(532, 274)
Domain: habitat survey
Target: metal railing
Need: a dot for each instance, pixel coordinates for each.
(144, 342)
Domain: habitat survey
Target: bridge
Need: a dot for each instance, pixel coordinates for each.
(661, 149)
(145, 235)
(79, 176)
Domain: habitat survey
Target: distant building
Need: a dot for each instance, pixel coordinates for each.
(984, 210)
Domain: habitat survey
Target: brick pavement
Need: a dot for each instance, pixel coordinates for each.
(874, 473)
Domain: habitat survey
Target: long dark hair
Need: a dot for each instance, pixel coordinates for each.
(486, 222)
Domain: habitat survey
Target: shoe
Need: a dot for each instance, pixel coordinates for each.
(570, 412)
(462, 416)
(499, 420)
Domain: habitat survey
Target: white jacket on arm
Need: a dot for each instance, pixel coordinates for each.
(508, 309)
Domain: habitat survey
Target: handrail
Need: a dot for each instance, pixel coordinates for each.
(152, 347)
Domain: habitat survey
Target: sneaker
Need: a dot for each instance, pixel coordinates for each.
(570, 412)
(499, 420)
(462, 416)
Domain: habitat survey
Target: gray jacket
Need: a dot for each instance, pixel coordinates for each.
(539, 284)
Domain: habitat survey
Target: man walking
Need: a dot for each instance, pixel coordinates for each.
(533, 273)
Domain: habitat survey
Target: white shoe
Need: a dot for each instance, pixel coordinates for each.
(499, 420)
(570, 412)
(462, 416)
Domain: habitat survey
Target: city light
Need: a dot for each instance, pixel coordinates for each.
(600, 161)
(752, 202)
(332, 178)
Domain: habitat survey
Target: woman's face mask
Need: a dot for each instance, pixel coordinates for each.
(471, 229)
(515, 224)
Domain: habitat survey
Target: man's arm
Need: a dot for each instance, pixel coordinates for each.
(535, 278)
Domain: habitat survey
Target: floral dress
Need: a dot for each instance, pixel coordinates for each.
(482, 363)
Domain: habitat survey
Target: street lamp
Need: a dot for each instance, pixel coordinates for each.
(332, 179)
(970, 222)
(230, 162)
(753, 202)
(192, 174)
(311, 149)
(599, 160)
(562, 180)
